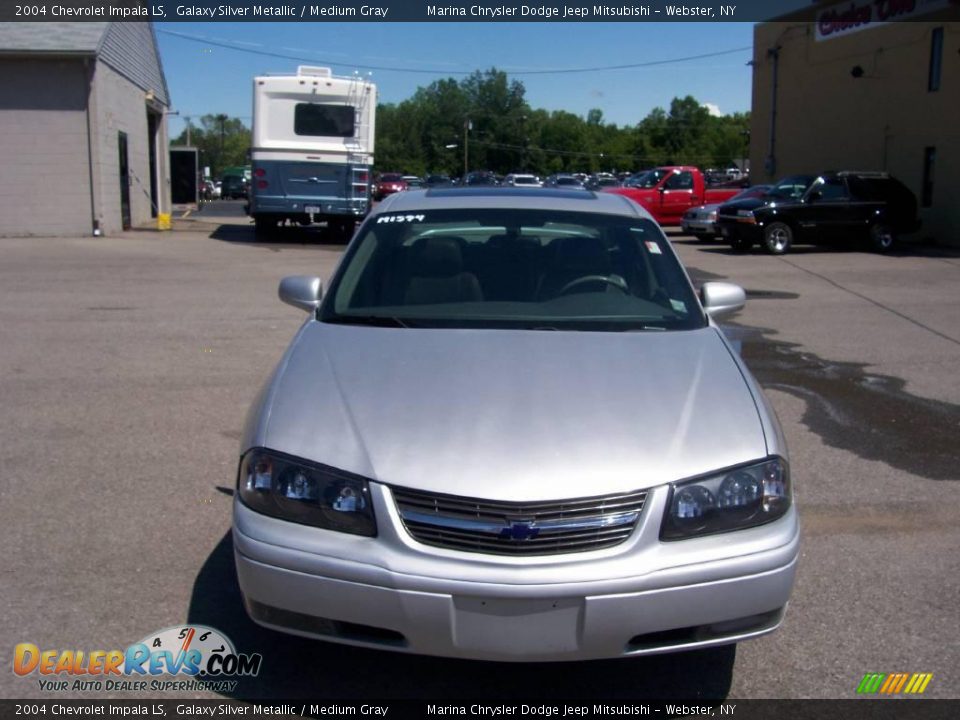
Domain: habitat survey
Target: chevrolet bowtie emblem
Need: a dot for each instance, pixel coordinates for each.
(520, 530)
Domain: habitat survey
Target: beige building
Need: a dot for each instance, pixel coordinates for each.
(83, 128)
(849, 92)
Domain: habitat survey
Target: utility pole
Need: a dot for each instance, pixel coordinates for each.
(467, 126)
(222, 119)
(771, 162)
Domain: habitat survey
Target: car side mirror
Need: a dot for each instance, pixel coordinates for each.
(814, 196)
(301, 291)
(721, 299)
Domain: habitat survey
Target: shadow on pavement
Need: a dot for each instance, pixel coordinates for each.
(905, 249)
(295, 667)
(279, 238)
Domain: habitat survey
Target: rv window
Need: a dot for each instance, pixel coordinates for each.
(325, 120)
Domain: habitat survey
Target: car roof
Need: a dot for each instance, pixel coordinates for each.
(510, 198)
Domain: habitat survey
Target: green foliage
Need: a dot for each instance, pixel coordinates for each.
(489, 114)
(223, 142)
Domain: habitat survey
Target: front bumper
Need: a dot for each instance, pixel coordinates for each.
(288, 206)
(737, 227)
(697, 225)
(640, 597)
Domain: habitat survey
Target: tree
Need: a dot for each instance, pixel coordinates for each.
(222, 141)
(425, 133)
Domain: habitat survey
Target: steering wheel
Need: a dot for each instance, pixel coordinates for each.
(615, 280)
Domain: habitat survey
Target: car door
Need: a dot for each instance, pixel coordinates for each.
(825, 214)
(677, 195)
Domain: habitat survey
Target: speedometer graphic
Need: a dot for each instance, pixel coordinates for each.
(184, 650)
(183, 638)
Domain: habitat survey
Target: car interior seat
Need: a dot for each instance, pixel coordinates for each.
(436, 273)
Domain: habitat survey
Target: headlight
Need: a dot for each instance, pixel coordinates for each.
(307, 493)
(731, 500)
(711, 216)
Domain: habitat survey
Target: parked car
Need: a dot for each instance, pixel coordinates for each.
(568, 182)
(522, 180)
(480, 177)
(413, 182)
(233, 187)
(435, 180)
(843, 207)
(387, 184)
(668, 192)
(738, 211)
(702, 221)
(601, 181)
(513, 431)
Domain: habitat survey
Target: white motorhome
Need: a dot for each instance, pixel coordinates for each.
(312, 149)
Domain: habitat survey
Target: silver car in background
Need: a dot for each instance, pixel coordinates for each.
(522, 180)
(512, 431)
(702, 221)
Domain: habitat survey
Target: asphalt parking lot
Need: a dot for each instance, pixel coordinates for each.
(127, 365)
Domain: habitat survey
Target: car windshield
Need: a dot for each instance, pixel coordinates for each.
(791, 187)
(648, 179)
(390, 177)
(752, 192)
(512, 268)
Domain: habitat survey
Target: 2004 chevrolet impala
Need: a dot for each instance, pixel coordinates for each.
(511, 430)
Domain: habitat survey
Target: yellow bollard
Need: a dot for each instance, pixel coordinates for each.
(163, 221)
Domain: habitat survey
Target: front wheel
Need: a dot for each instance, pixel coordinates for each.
(778, 238)
(882, 238)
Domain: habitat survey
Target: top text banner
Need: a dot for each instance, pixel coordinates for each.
(409, 10)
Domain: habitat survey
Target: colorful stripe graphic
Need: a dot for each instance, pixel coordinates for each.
(894, 683)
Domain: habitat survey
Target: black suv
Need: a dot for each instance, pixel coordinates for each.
(837, 206)
(233, 187)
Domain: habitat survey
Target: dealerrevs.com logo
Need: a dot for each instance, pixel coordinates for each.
(203, 654)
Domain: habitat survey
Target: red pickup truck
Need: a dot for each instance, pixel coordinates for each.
(668, 192)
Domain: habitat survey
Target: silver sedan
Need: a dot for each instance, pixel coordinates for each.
(511, 430)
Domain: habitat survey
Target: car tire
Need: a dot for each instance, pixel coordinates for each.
(740, 244)
(778, 238)
(342, 230)
(882, 238)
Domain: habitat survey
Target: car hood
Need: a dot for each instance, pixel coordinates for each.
(702, 210)
(510, 414)
(731, 208)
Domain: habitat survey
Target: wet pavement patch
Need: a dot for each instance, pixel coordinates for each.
(869, 415)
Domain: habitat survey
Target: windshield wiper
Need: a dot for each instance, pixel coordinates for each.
(369, 320)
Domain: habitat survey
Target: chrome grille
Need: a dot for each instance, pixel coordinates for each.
(506, 528)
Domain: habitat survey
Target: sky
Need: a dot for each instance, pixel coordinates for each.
(206, 78)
